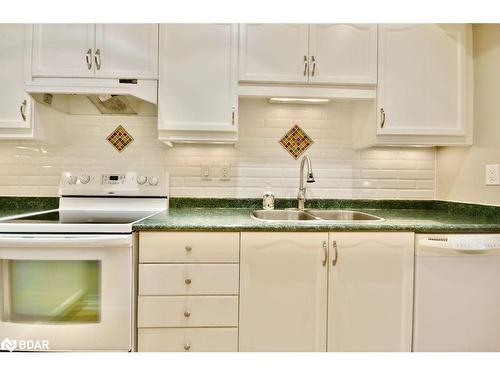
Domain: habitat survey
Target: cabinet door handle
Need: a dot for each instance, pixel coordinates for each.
(97, 57)
(187, 347)
(313, 59)
(88, 59)
(382, 118)
(187, 281)
(232, 115)
(22, 109)
(306, 66)
(187, 313)
(335, 253)
(188, 248)
(325, 253)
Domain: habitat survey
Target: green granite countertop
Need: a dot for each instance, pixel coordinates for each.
(412, 216)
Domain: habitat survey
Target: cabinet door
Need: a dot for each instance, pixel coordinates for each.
(343, 53)
(422, 79)
(274, 52)
(370, 291)
(198, 88)
(283, 292)
(15, 105)
(63, 50)
(126, 51)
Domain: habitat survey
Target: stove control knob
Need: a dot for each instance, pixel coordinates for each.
(72, 180)
(141, 180)
(84, 178)
(153, 180)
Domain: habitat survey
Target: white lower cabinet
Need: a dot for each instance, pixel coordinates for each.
(188, 292)
(370, 291)
(283, 286)
(288, 279)
(301, 291)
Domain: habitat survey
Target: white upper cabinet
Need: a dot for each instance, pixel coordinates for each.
(274, 52)
(89, 50)
(370, 293)
(316, 53)
(16, 105)
(283, 291)
(198, 83)
(126, 51)
(422, 79)
(343, 53)
(63, 50)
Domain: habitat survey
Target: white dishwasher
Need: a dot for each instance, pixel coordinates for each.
(457, 293)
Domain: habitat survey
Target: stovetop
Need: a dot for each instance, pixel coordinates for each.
(82, 217)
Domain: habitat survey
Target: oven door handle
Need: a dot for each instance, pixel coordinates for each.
(42, 241)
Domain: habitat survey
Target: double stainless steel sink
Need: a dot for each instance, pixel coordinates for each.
(294, 215)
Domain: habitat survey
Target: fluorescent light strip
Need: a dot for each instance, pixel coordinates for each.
(298, 100)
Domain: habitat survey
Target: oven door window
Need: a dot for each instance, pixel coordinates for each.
(51, 291)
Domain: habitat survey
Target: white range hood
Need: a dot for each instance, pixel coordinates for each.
(110, 96)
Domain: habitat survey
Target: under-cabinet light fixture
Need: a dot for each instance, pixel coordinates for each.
(298, 100)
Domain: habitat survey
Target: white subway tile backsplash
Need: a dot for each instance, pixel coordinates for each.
(33, 168)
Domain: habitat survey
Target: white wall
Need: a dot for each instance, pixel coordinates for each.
(461, 171)
(28, 168)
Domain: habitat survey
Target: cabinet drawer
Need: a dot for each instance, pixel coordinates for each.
(188, 339)
(183, 247)
(188, 279)
(198, 311)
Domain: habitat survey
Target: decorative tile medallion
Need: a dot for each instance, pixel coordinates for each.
(120, 138)
(296, 141)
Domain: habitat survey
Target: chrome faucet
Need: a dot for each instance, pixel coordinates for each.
(301, 197)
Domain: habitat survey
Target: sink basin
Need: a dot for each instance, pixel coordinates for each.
(343, 215)
(313, 215)
(282, 215)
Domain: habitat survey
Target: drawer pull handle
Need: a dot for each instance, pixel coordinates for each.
(187, 314)
(188, 248)
(187, 281)
(187, 347)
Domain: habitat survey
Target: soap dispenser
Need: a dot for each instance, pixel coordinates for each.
(268, 198)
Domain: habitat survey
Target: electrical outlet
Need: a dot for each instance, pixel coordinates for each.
(205, 172)
(492, 174)
(225, 172)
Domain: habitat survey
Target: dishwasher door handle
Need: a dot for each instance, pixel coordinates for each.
(428, 247)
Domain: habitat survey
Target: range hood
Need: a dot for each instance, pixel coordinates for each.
(109, 96)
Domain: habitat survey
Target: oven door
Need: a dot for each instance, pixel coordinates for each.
(66, 292)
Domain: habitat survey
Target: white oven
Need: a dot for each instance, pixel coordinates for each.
(67, 292)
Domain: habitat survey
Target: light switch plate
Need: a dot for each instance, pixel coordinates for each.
(492, 174)
(205, 172)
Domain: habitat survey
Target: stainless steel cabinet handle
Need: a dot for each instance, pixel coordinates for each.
(325, 251)
(22, 109)
(187, 347)
(306, 66)
(187, 313)
(382, 117)
(88, 58)
(97, 57)
(313, 59)
(335, 253)
(188, 248)
(187, 281)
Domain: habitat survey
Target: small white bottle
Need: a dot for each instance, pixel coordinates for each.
(268, 199)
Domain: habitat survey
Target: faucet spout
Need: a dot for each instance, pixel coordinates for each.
(301, 197)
